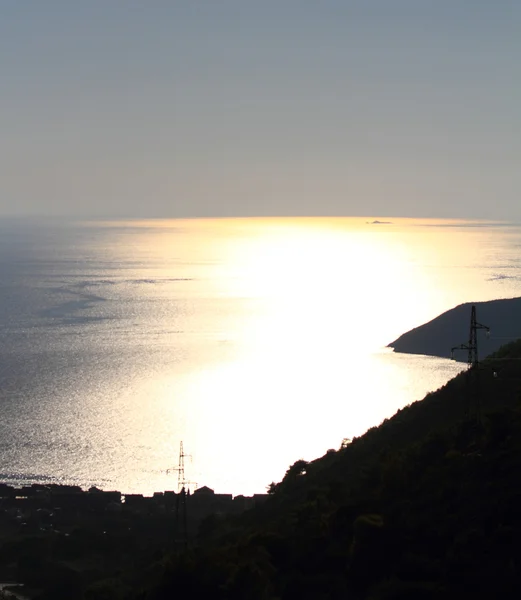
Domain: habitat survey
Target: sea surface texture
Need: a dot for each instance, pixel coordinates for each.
(256, 342)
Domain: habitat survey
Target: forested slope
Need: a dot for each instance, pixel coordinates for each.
(424, 506)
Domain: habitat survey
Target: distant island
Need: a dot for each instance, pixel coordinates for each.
(376, 222)
(451, 328)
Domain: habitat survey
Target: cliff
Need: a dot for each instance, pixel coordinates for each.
(451, 328)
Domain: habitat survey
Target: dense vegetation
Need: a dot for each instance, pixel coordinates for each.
(425, 506)
(99, 557)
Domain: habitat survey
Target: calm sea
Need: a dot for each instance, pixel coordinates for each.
(256, 342)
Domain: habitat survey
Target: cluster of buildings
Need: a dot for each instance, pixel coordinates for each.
(44, 500)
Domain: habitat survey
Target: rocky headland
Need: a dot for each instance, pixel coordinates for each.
(452, 328)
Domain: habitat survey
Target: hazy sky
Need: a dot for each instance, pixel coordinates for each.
(241, 107)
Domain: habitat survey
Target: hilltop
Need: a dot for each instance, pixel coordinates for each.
(424, 506)
(451, 328)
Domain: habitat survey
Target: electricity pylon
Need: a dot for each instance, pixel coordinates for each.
(472, 345)
(181, 482)
(182, 492)
(473, 358)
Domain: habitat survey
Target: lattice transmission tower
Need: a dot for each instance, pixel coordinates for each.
(472, 345)
(473, 357)
(183, 491)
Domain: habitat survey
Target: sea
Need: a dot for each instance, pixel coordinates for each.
(253, 342)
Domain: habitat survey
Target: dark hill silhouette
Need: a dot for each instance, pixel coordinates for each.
(425, 506)
(437, 337)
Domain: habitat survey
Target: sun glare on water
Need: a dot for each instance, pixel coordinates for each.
(256, 342)
(326, 297)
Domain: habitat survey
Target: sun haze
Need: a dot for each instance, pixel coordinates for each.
(233, 108)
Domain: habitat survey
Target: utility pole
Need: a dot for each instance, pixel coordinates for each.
(472, 348)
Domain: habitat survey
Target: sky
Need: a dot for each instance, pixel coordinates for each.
(191, 108)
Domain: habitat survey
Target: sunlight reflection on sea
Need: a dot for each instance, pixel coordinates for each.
(255, 341)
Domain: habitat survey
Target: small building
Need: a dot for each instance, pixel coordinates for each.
(204, 491)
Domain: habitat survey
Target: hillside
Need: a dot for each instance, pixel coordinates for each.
(424, 506)
(451, 328)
